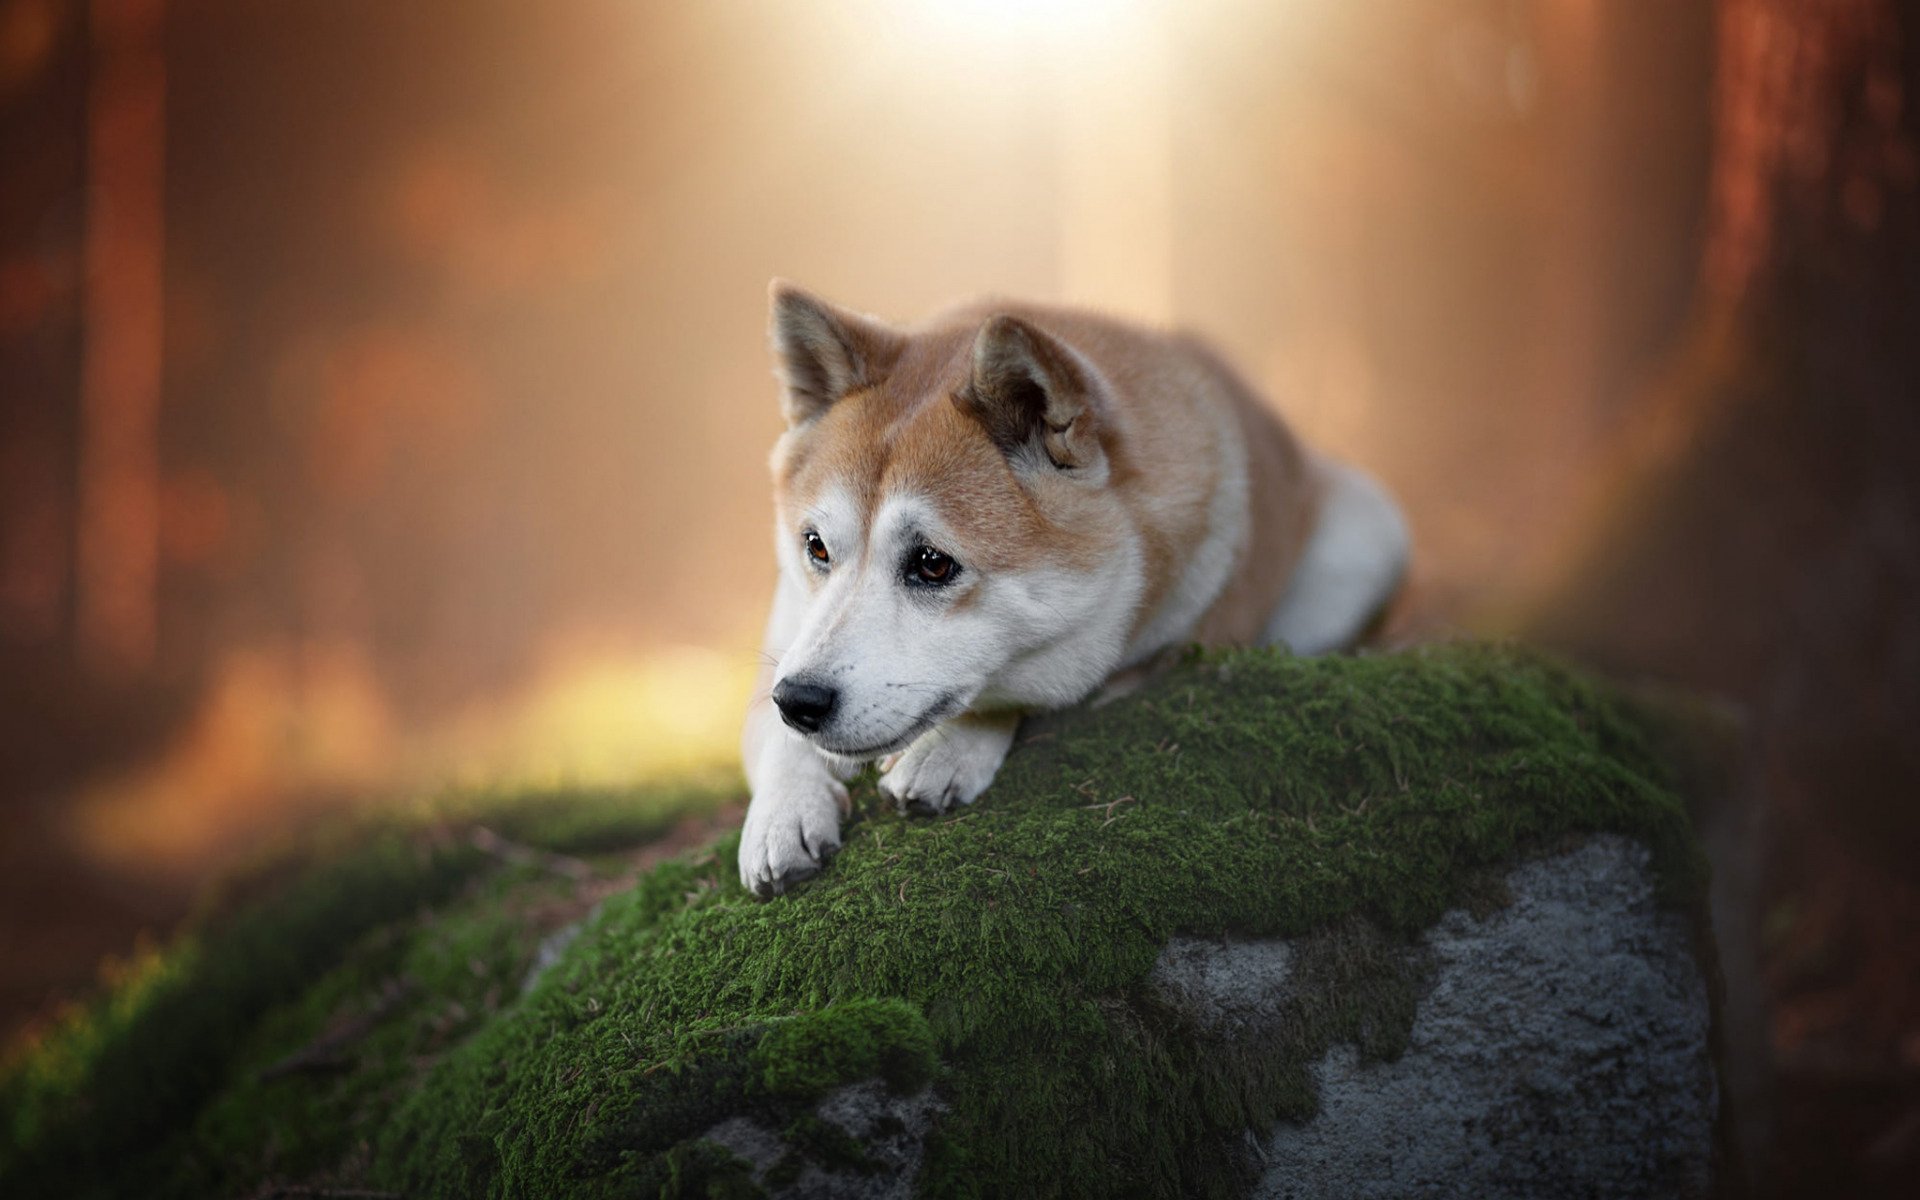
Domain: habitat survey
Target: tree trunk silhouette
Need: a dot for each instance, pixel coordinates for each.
(1765, 546)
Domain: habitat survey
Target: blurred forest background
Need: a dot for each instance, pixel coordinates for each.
(384, 401)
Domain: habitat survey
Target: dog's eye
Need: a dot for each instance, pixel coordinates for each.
(927, 565)
(817, 549)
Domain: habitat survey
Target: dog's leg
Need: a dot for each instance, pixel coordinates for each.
(1350, 569)
(952, 763)
(793, 820)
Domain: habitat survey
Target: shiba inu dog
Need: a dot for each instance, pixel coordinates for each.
(996, 511)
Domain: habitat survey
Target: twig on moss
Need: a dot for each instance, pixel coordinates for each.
(488, 842)
(323, 1052)
(1108, 807)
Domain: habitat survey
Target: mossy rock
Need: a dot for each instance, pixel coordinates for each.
(982, 986)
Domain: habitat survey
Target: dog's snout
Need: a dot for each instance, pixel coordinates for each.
(803, 705)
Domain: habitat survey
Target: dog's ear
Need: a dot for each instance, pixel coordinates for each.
(1033, 396)
(822, 353)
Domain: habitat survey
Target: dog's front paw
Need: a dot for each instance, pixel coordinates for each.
(791, 831)
(950, 764)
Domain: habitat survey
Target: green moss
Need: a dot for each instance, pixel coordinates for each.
(1250, 793)
(151, 1088)
(1003, 950)
(860, 1039)
(404, 993)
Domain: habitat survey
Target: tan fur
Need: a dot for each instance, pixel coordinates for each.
(1165, 460)
(1283, 502)
(1100, 492)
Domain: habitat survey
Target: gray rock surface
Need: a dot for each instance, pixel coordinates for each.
(1229, 986)
(891, 1129)
(1561, 1049)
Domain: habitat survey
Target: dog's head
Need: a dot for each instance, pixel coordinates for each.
(947, 526)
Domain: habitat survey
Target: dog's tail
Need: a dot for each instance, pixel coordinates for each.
(1353, 564)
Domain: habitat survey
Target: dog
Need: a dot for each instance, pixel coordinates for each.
(997, 511)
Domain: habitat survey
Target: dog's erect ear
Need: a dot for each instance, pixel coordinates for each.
(1033, 397)
(821, 353)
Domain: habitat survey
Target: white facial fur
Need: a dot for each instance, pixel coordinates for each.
(904, 656)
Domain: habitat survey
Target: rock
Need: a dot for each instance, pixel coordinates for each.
(1227, 987)
(890, 1131)
(1561, 1048)
(1241, 931)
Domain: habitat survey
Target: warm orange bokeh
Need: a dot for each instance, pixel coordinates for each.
(384, 400)
(424, 401)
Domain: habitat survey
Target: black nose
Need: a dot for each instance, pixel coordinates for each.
(805, 706)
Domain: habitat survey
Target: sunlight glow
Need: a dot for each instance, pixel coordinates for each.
(1048, 24)
(287, 731)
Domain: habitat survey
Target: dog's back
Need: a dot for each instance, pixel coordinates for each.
(1223, 496)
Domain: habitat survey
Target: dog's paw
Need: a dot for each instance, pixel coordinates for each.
(950, 764)
(790, 833)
